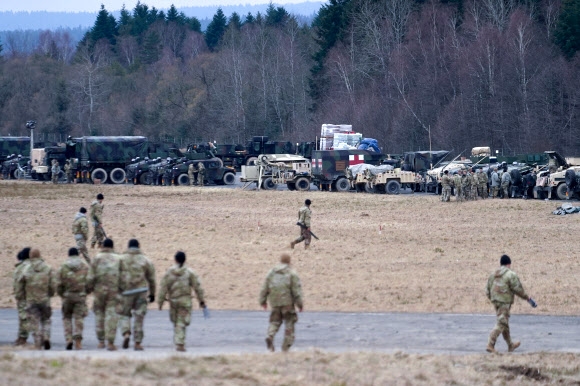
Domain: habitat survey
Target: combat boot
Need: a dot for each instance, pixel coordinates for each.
(101, 344)
(180, 347)
(270, 344)
(490, 349)
(306, 246)
(513, 346)
(69, 345)
(292, 244)
(111, 347)
(127, 338)
(78, 344)
(20, 342)
(138, 346)
(46, 344)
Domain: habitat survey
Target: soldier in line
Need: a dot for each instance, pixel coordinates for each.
(176, 287)
(103, 282)
(80, 229)
(97, 218)
(457, 184)
(137, 272)
(304, 215)
(505, 184)
(23, 328)
(283, 290)
(495, 181)
(482, 187)
(445, 186)
(36, 287)
(72, 279)
(190, 174)
(474, 184)
(55, 169)
(200, 173)
(465, 185)
(68, 171)
(501, 287)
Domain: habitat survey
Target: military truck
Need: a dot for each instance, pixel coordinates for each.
(383, 179)
(13, 147)
(215, 172)
(41, 162)
(14, 167)
(551, 179)
(271, 170)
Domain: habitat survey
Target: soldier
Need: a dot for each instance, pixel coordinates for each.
(97, 219)
(474, 184)
(55, 169)
(200, 173)
(482, 187)
(176, 285)
(445, 186)
(103, 281)
(457, 184)
(494, 183)
(500, 290)
(304, 215)
(36, 287)
(283, 290)
(137, 272)
(71, 279)
(22, 257)
(68, 171)
(80, 228)
(465, 185)
(505, 184)
(190, 171)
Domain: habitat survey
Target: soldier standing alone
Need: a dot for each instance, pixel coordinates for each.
(200, 173)
(22, 257)
(304, 215)
(176, 285)
(36, 287)
(80, 229)
(137, 272)
(500, 289)
(97, 219)
(283, 290)
(445, 186)
(72, 279)
(103, 281)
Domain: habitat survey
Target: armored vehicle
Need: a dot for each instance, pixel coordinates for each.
(215, 172)
(271, 170)
(14, 146)
(14, 167)
(551, 179)
(41, 162)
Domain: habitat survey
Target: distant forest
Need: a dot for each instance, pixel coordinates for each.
(414, 74)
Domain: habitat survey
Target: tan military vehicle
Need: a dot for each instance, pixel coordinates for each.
(271, 170)
(551, 180)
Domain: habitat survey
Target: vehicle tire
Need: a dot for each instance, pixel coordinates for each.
(369, 188)
(291, 185)
(117, 176)
(303, 184)
(251, 160)
(183, 180)
(342, 185)
(393, 187)
(229, 178)
(561, 191)
(268, 184)
(45, 176)
(570, 178)
(145, 179)
(99, 174)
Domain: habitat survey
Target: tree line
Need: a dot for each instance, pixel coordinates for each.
(420, 74)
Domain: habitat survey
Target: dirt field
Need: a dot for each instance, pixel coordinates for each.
(430, 257)
(308, 368)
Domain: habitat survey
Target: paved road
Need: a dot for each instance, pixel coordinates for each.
(243, 332)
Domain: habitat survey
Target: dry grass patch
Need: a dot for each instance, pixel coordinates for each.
(430, 256)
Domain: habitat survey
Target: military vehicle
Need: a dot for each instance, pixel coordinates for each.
(551, 179)
(271, 170)
(382, 179)
(215, 172)
(14, 167)
(41, 162)
(14, 146)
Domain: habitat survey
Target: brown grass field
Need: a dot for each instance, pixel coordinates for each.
(430, 257)
(306, 368)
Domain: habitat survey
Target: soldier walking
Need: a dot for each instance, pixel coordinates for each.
(190, 171)
(23, 327)
(445, 186)
(304, 215)
(103, 281)
(200, 173)
(494, 183)
(482, 187)
(97, 218)
(283, 290)
(80, 229)
(55, 169)
(500, 290)
(176, 286)
(137, 272)
(72, 280)
(36, 287)
(505, 184)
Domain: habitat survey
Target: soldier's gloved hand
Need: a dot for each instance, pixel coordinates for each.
(532, 303)
(151, 298)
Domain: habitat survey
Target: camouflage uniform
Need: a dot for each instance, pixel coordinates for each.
(103, 281)
(445, 188)
(55, 169)
(68, 171)
(190, 171)
(80, 228)
(465, 185)
(21, 303)
(283, 290)
(495, 181)
(482, 187)
(505, 184)
(137, 271)
(458, 190)
(200, 173)
(97, 219)
(474, 186)
(71, 281)
(176, 285)
(304, 215)
(36, 287)
(500, 289)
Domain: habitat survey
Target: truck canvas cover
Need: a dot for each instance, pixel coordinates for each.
(14, 145)
(111, 149)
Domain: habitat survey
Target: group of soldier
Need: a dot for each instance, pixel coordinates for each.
(470, 184)
(55, 171)
(192, 170)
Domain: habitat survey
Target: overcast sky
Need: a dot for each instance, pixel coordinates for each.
(112, 5)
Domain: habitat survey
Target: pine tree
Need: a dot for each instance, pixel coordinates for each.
(105, 27)
(249, 18)
(567, 33)
(215, 30)
(151, 48)
(235, 21)
(276, 16)
(192, 23)
(172, 14)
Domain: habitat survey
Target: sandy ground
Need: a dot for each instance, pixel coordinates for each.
(308, 368)
(430, 257)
